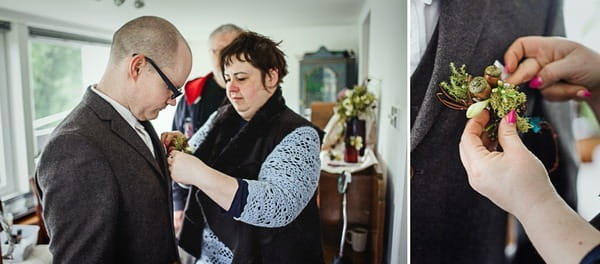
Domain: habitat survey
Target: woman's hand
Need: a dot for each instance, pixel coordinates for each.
(167, 138)
(561, 69)
(517, 181)
(188, 169)
(514, 179)
(185, 168)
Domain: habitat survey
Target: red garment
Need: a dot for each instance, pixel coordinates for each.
(194, 88)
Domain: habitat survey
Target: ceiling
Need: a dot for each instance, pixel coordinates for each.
(196, 16)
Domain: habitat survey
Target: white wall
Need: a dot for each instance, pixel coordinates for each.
(387, 65)
(296, 42)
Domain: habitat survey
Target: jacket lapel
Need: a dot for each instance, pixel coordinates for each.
(159, 150)
(121, 128)
(457, 39)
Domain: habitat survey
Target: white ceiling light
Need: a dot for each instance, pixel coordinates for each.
(136, 3)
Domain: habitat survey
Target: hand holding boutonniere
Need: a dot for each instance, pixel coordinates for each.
(475, 93)
(175, 140)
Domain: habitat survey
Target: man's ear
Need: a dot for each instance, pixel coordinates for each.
(135, 66)
(272, 79)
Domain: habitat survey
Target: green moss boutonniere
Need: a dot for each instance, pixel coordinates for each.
(180, 143)
(474, 94)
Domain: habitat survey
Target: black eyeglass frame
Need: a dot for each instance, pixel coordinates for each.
(176, 91)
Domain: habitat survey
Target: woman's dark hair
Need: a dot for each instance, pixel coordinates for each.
(258, 50)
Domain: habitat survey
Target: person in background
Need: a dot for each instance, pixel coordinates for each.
(202, 97)
(255, 169)
(102, 177)
(515, 179)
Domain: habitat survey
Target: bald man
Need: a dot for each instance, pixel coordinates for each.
(102, 177)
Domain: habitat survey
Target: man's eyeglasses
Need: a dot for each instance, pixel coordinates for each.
(176, 91)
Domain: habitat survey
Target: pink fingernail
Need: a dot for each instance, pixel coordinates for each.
(511, 118)
(536, 82)
(507, 69)
(584, 93)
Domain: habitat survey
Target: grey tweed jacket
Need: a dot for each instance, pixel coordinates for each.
(450, 222)
(105, 198)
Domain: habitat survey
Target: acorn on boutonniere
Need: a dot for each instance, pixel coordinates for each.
(480, 88)
(492, 75)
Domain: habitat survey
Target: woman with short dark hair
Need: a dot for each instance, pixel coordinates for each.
(255, 168)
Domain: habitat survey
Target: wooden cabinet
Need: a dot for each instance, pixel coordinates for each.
(366, 208)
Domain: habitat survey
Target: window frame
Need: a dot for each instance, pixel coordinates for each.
(17, 139)
(53, 38)
(8, 187)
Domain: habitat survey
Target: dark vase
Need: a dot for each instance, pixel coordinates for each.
(354, 127)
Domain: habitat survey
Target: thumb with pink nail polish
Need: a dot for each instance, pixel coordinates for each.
(511, 117)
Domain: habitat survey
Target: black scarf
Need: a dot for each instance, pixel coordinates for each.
(226, 139)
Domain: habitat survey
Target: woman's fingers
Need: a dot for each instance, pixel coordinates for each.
(524, 47)
(508, 137)
(552, 65)
(567, 69)
(471, 146)
(525, 71)
(166, 138)
(561, 91)
(543, 64)
(544, 49)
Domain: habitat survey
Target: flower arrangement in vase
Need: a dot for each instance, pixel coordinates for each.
(353, 106)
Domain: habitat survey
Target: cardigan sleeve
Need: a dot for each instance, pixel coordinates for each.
(202, 132)
(286, 182)
(592, 257)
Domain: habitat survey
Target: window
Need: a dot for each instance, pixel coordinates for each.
(43, 74)
(7, 180)
(61, 70)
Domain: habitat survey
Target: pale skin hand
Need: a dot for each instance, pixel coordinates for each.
(495, 174)
(188, 169)
(517, 181)
(166, 138)
(567, 69)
